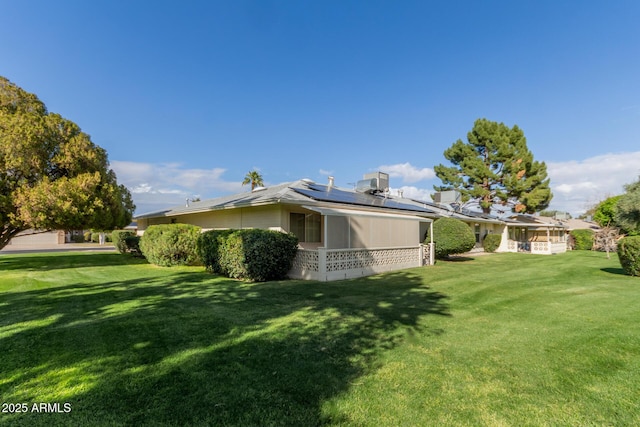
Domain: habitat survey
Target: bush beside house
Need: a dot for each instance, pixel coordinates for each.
(491, 242)
(253, 254)
(208, 248)
(629, 254)
(126, 242)
(582, 239)
(171, 244)
(451, 236)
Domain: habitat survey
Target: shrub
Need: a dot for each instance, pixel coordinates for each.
(491, 242)
(451, 236)
(629, 254)
(126, 241)
(208, 248)
(170, 244)
(253, 254)
(87, 236)
(583, 239)
(132, 244)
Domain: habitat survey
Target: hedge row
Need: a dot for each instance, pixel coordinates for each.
(252, 254)
(629, 254)
(170, 244)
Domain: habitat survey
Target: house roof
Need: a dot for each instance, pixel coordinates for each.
(308, 193)
(463, 214)
(532, 221)
(334, 194)
(570, 224)
(259, 196)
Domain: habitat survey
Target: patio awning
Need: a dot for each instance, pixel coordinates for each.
(359, 212)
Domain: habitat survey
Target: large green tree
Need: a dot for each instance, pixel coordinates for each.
(495, 167)
(51, 175)
(605, 211)
(627, 212)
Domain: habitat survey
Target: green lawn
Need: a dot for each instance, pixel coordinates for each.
(499, 340)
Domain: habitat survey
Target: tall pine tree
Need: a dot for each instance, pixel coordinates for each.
(495, 167)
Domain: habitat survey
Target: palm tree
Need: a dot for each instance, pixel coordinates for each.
(254, 178)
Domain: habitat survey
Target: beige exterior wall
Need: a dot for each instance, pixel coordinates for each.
(343, 231)
(371, 232)
(267, 217)
(384, 233)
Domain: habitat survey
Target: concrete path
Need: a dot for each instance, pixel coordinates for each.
(67, 247)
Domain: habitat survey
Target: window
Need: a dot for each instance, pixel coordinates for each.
(306, 227)
(477, 232)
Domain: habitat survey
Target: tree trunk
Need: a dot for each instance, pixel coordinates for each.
(7, 232)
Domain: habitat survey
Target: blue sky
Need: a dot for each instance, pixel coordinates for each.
(187, 97)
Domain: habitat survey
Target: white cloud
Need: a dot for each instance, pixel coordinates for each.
(325, 172)
(578, 184)
(408, 172)
(157, 186)
(411, 192)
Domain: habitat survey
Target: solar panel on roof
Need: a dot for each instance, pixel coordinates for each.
(336, 195)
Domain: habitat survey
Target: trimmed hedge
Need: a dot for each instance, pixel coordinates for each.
(451, 236)
(170, 244)
(126, 241)
(208, 248)
(583, 239)
(252, 254)
(491, 242)
(629, 255)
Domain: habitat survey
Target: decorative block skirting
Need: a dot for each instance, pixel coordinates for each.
(543, 248)
(335, 264)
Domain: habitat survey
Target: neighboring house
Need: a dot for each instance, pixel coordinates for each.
(520, 233)
(34, 238)
(342, 233)
(528, 233)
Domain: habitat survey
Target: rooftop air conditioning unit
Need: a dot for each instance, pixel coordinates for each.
(447, 197)
(381, 178)
(368, 186)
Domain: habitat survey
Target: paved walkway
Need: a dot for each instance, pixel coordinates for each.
(67, 247)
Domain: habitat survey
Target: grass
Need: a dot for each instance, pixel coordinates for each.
(506, 339)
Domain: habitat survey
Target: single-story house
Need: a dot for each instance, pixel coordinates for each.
(346, 233)
(528, 233)
(342, 233)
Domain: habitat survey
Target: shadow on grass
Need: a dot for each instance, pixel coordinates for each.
(191, 348)
(455, 258)
(614, 270)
